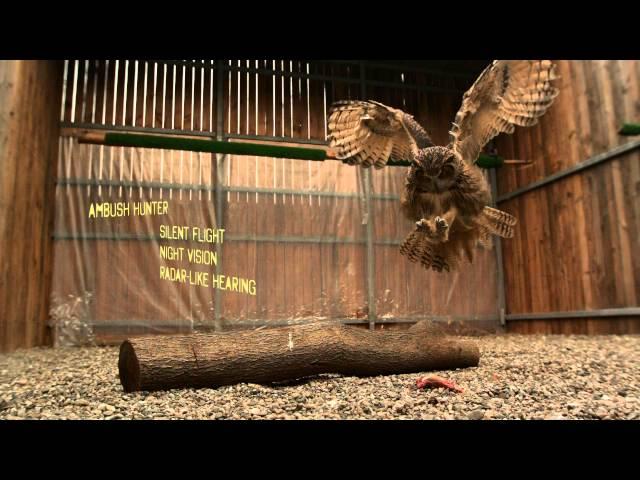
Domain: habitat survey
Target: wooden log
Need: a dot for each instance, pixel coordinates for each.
(279, 354)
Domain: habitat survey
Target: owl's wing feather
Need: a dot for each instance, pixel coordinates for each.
(507, 93)
(370, 133)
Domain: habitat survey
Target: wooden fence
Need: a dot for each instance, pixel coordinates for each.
(578, 242)
(29, 107)
(298, 228)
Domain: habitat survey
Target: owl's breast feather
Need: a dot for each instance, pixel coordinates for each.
(435, 203)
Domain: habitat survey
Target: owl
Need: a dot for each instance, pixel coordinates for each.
(445, 192)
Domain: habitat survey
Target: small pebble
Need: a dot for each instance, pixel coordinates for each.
(554, 416)
(476, 415)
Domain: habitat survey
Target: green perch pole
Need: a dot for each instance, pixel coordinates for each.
(237, 148)
(489, 161)
(630, 129)
(211, 146)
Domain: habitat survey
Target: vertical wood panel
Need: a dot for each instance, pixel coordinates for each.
(30, 96)
(588, 259)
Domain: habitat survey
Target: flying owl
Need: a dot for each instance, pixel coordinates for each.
(445, 193)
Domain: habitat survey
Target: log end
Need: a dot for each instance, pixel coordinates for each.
(129, 367)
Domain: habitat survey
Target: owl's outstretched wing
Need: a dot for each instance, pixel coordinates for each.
(370, 133)
(507, 93)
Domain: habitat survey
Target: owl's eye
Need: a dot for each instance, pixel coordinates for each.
(446, 171)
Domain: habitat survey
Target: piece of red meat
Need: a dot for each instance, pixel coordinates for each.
(434, 381)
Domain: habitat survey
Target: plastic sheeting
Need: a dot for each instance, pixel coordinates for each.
(145, 243)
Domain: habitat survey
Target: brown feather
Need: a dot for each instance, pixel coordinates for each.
(370, 133)
(506, 94)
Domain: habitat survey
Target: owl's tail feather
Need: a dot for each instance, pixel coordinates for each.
(484, 237)
(498, 222)
(419, 248)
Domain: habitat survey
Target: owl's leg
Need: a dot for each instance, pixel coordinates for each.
(438, 227)
(450, 215)
(443, 223)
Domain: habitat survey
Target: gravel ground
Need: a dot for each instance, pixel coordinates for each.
(519, 377)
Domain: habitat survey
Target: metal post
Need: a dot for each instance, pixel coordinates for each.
(499, 263)
(371, 300)
(220, 162)
(368, 186)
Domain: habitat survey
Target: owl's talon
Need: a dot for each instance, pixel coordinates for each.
(441, 224)
(422, 224)
(437, 228)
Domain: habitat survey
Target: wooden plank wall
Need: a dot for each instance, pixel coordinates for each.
(29, 129)
(589, 221)
(578, 241)
(296, 281)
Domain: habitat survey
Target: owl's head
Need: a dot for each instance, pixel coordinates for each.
(435, 168)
